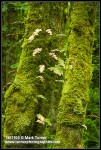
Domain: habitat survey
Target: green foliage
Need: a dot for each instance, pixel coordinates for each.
(43, 121)
(4, 7)
(95, 67)
(49, 136)
(61, 62)
(4, 28)
(57, 70)
(13, 66)
(91, 135)
(20, 5)
(47, 120)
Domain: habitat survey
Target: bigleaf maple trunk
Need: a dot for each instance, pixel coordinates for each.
(78, 73)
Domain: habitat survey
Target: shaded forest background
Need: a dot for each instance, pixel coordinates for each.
(13, 31)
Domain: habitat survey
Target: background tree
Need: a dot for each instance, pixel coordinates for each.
(91, 135)
(12, 36)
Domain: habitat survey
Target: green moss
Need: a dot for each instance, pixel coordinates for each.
(22, 105)
(68, 134)
(75, 93)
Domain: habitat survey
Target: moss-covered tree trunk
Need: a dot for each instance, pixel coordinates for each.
(21, 97)
(75, 93)
(49, 87)
(30, 93)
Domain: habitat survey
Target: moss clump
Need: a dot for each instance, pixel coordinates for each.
(68, 133)
(21, 103)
